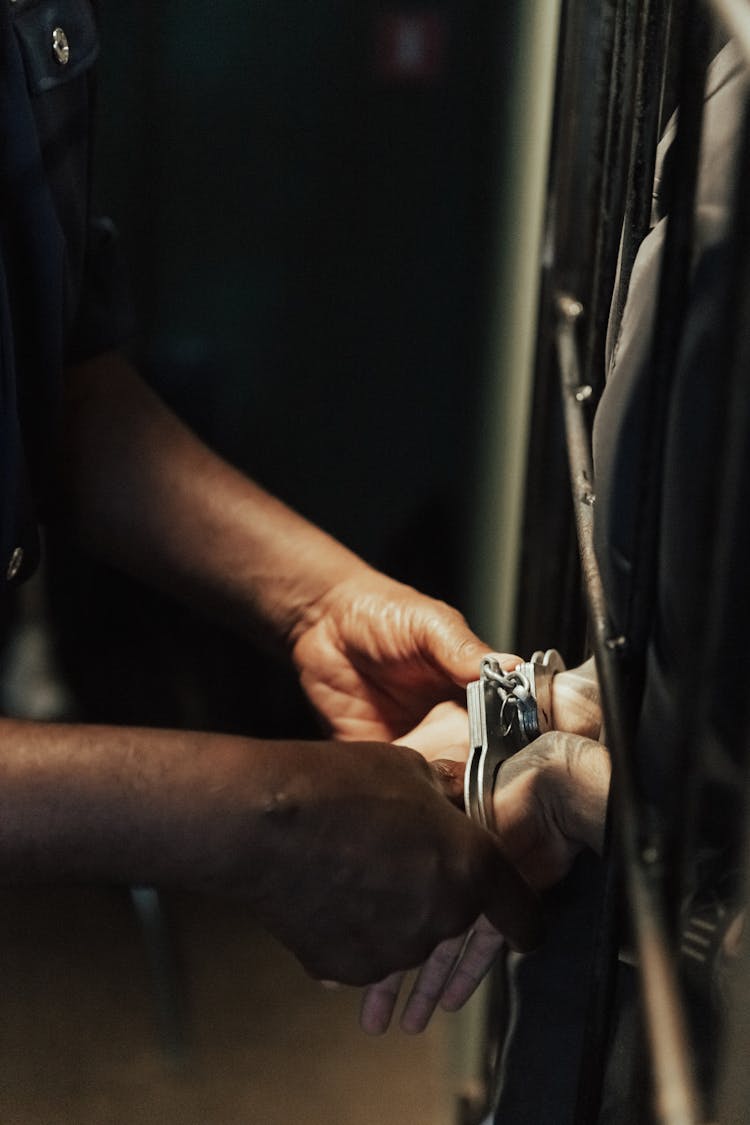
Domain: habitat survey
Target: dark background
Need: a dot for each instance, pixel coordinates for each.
(306, 219)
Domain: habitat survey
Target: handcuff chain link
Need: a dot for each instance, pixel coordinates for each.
(506, 711)
(513, 689)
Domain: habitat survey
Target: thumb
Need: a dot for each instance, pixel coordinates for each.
(460, 652)
(450, 777)
(510, 904)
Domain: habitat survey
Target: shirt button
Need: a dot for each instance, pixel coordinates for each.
(60, 46)
(16, 560)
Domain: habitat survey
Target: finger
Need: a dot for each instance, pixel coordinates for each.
(472, 966)
(445, 639)
(430, 982)
(510, 904)
(378, 1003)
(443, 732)
(450, 776)
(462, 652)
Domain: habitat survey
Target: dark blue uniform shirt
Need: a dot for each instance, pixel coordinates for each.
(57, 294)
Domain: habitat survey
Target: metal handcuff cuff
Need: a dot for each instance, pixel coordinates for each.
(507, 711)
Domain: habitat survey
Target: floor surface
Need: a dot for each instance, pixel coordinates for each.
(80, 1038)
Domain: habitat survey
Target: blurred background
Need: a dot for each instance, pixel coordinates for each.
(313, 197)
(304, 195)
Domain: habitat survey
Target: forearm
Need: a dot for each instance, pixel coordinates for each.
(348, 853)
(92, 803)
(148, 496)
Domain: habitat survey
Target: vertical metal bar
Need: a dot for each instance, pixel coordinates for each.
(675, 1092)
(523, 130)
(676, 1096)
(162, 962)
(609, 207)
(579, 132)
(526, 119)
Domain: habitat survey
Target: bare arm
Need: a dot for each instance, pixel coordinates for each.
(350, 855)
(373, 655)
(147, 495)
(549, 802)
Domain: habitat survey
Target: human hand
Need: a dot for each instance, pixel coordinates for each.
(554, 789)
(549, 802)
(442, 738)
(371, 867)
(575, 701)
(375, 656)
(566, 771)
(443, 734)
(448, 977)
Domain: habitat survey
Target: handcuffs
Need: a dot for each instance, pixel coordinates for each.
(507, 711)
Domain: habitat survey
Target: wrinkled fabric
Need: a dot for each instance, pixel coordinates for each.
(539, 1076)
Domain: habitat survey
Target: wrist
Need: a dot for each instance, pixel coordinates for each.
(89, 804)
(575, 701)
(578, 786)
(336, 580)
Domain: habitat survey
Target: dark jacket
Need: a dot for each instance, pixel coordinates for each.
(57, 289)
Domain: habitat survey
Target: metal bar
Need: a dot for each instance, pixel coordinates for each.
(609, 206)
(524, 128)
(581, 84)
(602, 989)
(162, 962)
(676, 1096)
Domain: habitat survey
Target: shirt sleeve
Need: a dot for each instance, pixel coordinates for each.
(104, 320)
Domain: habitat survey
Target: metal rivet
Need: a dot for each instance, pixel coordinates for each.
(569, 307)
(616, 644)
(16, 560)
(60, 46)
(584, 392)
